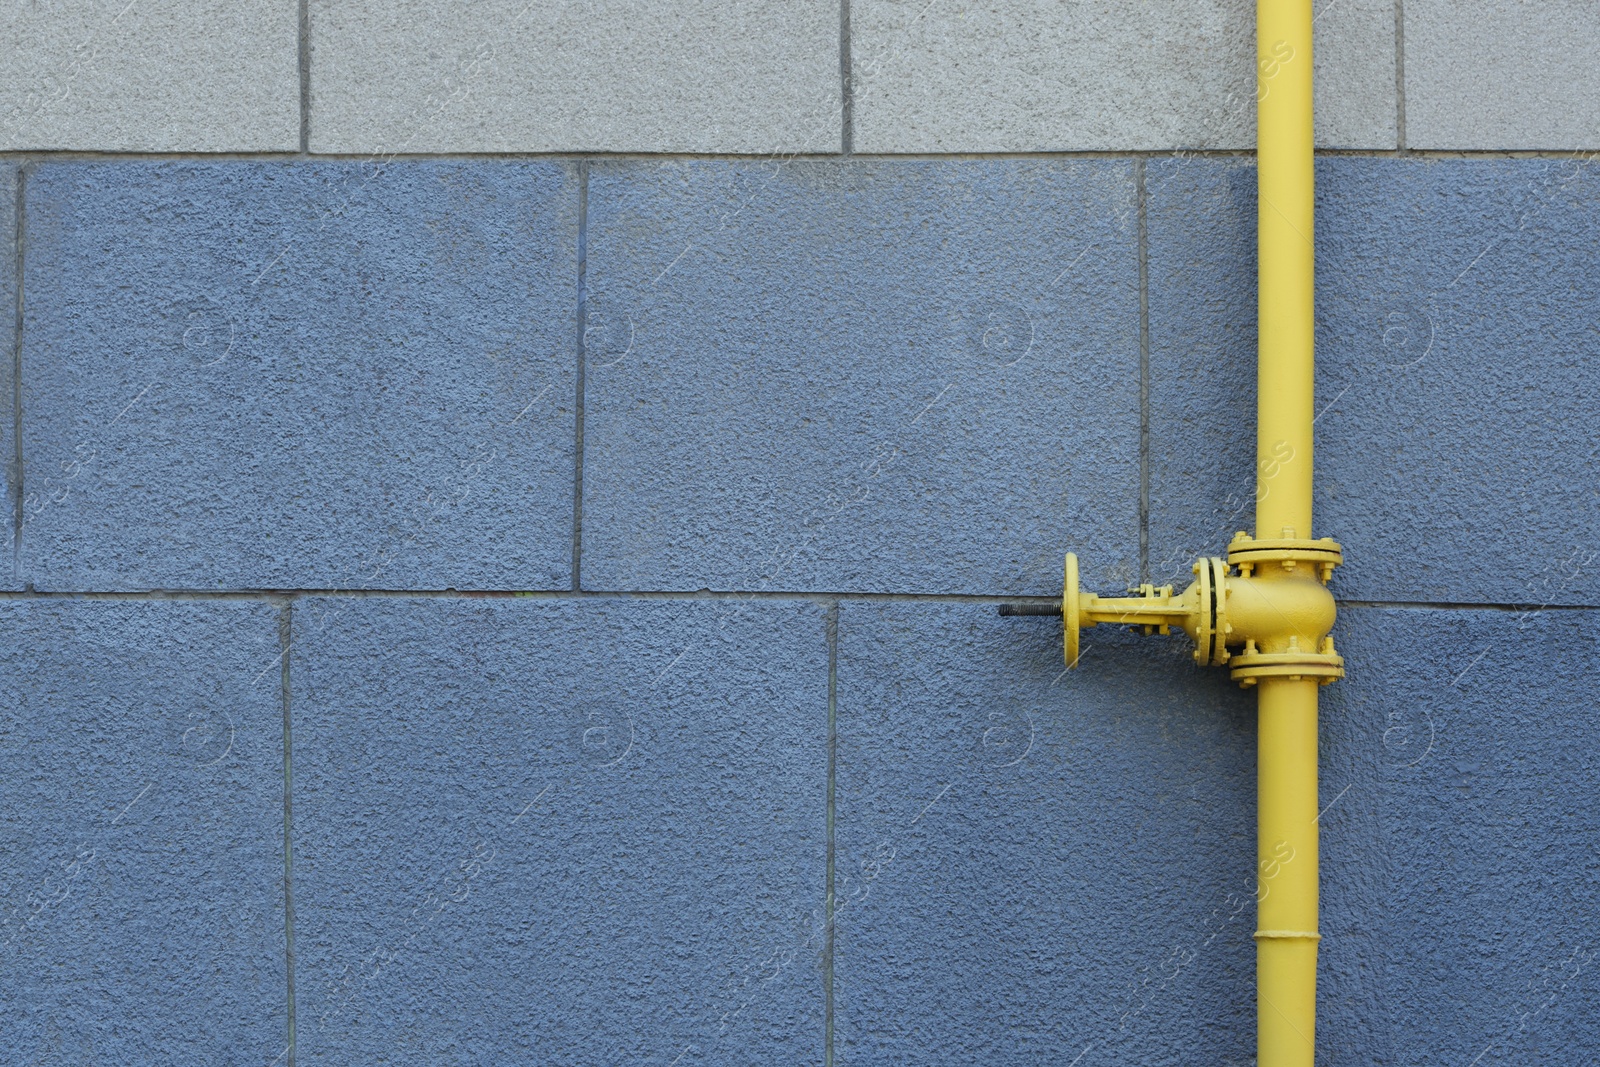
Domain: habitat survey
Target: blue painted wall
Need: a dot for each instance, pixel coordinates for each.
(477, 609)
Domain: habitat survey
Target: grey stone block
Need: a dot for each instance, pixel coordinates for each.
(743, 76)
(1057, 75)
(151, 76)
(1502, 74)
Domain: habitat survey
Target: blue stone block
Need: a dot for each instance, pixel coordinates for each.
(300, 375)
(1202, 278)
(1459, 775)
(1456, 446)
(141, 824)
(912, 376)
(559, 831)
(1035, 866)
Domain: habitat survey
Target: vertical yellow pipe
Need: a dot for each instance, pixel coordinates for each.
(1285, 265)
(1286, 912)
(1286, 918)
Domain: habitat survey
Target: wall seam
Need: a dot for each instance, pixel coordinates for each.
(828, 943)
(583, 360)
(1123, 155)
(846, 83)
(19, 234)
(819, 597)
(1400, 76)
(1142, 192)
(286, 644)
(304, 58)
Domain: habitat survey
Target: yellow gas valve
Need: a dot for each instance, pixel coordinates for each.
(1265, 611)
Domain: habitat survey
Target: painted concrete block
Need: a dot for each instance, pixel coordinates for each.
(141, 747)
(1458, 839)
(152, 76)
(565, 832)
(9, 178)
(1066, 75)
(905, 376)
(300, 376)
(599, 75)
(1456, 389)
(1500, 74)
(1034, 866)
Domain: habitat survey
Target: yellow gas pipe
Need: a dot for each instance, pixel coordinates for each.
(1265, 610)
(1286, 752)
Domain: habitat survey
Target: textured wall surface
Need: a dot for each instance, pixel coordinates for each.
(142, 755)
(598, 75)
(1457, 317)
(520, 834)
(8, 415)
(913, 330)
(1497, 74)
(508, 506)
(150, 76)
(315, 376)
(1086, 74)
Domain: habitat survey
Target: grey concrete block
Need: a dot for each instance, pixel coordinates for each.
(1354, 74)
(599, 75)
(1055, 75)
(141, 830)
(889, 375)
(268, 375)
(563, 832)
(151, 76)
(1502, 74)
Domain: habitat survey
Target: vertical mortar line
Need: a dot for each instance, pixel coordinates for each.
(285, 647)
(846, 87)
(583, 360)
(1144, 369)
(1400, 76)
(20, 233)
(833, 763)
(305, 76)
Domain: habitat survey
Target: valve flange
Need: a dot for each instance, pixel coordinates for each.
(1275, 613)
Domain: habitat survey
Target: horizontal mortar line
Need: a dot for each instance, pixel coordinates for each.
(710, 596)
(260, 595)
(1457, 153)
(276, 156)
(1428, 605)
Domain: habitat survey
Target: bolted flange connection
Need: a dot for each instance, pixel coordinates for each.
(1264, 612)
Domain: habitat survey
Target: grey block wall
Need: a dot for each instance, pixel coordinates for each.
(508, 506)
(1084, 74)
(151, 76)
